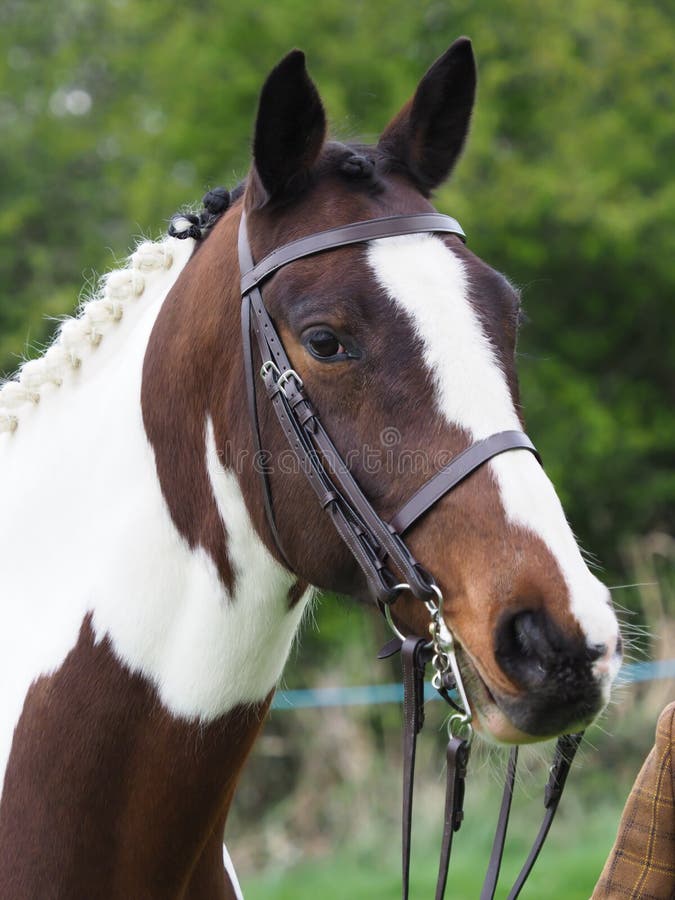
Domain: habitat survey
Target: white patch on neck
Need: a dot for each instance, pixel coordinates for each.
(84, 529)
(259, 616)
(427, 281)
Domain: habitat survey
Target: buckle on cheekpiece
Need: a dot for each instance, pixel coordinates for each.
(280, 378)
(269, 366)
(286, 376)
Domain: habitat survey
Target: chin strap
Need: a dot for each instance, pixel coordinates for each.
(416, 653)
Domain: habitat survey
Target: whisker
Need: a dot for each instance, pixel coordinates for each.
(590, 558)
(624, 610)
(636, 640)
(620, 587)
(587, 740)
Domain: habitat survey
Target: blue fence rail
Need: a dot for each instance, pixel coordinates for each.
(314, 698)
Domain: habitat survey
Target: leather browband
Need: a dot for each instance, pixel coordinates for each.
(356, 233)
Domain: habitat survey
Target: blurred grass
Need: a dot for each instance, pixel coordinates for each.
(568, 867)
(347, 875)
(340, 837)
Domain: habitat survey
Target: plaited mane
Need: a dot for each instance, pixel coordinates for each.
(78, 336)
(198, 225)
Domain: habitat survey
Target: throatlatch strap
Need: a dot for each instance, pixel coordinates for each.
(246, 325)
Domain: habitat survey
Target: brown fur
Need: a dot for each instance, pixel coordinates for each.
(116, 799)
(106, 793)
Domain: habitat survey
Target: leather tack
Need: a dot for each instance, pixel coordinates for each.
(377, 546)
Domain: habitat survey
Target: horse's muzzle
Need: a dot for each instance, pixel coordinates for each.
(563, 681)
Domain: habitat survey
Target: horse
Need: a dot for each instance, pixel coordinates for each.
(150, 602)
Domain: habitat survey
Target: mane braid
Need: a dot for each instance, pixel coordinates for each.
(78, 336)
(217, 201)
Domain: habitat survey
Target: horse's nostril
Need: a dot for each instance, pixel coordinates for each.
(522, 648)
(527, 634)
(595, 651)
(530, 647)
(553, 668)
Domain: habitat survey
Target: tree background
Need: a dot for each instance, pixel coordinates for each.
(116, 113)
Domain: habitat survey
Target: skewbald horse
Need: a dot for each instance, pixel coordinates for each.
(147, 613)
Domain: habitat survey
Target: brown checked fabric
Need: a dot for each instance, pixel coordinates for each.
(641, 865)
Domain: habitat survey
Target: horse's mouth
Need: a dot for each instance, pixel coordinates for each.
(495, 717)
(488, 718)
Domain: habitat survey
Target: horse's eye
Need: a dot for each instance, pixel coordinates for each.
(325, 345)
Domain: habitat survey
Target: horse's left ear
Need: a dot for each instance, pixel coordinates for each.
(427, 136)
(289, 131)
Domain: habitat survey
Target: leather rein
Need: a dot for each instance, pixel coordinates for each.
(378, 546)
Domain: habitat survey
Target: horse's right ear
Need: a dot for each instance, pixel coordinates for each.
(428, 134)
(289, 131)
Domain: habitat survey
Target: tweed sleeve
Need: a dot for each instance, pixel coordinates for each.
(641, 865)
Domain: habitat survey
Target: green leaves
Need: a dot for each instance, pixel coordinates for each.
(114, 114)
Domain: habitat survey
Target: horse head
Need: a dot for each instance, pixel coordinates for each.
(406, 346)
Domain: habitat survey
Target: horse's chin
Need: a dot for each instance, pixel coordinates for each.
(489, 720)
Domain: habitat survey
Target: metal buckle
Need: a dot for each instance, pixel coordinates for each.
(269, 366)
(443, 661)
(387, 612)
(285, 376)
(281, 377)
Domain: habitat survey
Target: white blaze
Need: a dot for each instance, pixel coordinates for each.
(429, 283)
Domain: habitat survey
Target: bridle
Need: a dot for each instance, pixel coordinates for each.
(375, 544)
(378, 546)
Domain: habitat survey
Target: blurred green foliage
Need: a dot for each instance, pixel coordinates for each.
(114, 113)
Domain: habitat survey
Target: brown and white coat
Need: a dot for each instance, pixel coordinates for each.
(146, 614)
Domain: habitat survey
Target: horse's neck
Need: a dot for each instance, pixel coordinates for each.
(92, 563)
(106, 790)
